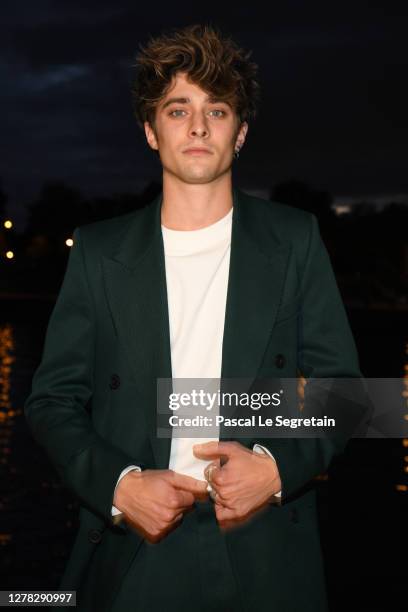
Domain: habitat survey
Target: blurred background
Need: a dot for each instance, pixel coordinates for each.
(331, 137)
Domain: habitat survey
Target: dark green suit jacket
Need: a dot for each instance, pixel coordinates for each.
(93, 408)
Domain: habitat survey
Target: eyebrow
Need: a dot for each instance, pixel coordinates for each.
(187, 100)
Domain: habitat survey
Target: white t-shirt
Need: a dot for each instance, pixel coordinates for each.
(197, 267)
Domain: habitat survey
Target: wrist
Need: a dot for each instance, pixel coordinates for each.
(122, 490)
(273, 482)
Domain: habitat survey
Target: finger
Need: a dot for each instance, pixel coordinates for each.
(218, 477)
(208, 471)
(224, 514)
(188, 483)
(184, 498)
(221, 500)
(213, 450)
(222, 475)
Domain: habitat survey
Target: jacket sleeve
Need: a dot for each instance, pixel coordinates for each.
(326, 352)
(56, 409)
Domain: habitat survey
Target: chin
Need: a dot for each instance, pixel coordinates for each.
(200, 180)
(197, 177)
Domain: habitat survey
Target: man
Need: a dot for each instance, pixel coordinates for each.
(206, 282)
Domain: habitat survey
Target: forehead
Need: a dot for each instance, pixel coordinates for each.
(181, 83)
(182, 90)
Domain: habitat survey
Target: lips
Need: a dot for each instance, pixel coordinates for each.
(197, 150)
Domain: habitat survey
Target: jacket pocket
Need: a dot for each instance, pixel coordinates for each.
(83, 549)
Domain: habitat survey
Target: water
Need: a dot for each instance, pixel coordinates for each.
(362, 513)
(38, 517)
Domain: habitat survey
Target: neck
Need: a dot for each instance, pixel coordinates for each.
(194, 206)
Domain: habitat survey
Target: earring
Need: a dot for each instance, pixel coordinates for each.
(236, 153)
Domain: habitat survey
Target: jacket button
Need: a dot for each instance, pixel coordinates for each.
(94, 536)
(294, 515)
(280, 361)
(114, 381)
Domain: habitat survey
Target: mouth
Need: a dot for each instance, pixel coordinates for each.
(198, 152)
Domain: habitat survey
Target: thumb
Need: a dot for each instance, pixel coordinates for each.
(214, 450)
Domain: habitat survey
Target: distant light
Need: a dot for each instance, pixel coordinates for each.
(401, 487)
(5, 538)
(69, 242)
(342, 209)
(8, 224)
(405, 442)
(9, 254)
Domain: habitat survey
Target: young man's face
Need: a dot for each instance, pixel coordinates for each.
(186, 118)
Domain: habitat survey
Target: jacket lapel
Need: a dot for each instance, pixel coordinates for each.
(256, 279)
(136, 290)
(137, 294)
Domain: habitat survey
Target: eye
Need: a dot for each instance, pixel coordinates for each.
(178, 113)
(177, 110)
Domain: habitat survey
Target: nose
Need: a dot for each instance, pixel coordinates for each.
(199, 127)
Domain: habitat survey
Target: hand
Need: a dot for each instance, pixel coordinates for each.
(243, 484)
(153, 501)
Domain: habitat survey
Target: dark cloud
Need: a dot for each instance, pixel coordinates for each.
(333, 110)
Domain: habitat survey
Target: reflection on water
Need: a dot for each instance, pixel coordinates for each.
(7, 415)
(364, 495)
(38, 516)
(403, 487)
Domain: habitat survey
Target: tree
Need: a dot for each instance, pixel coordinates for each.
(301, 195)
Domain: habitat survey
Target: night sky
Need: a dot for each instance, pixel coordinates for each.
(333, 109)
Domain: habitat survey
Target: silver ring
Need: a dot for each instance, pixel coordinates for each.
(209, 471)
(213, 494)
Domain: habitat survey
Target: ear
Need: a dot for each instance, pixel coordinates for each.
(151, 136)
(242, 132)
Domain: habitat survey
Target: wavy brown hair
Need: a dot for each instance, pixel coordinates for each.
(216, 64)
